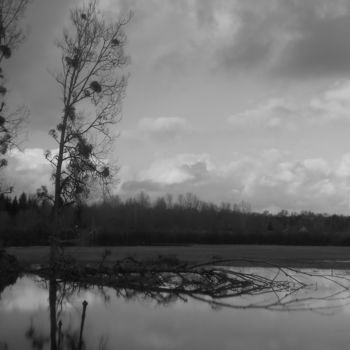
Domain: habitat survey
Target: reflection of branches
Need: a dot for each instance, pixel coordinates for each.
(61, 336)
(169, 280)
(212, 282)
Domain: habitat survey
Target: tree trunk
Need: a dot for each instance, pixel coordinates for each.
(57, 199)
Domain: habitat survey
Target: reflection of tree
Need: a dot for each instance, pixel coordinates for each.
(53, 312)
(224, 287)
(60, 339)
(169, 281)
(9, 270)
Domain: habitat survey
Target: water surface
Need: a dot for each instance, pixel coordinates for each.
(316, 316)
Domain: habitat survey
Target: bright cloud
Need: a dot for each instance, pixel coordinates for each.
(182, 168)
(270, 180)
(331, 106)
(27, 171)
(275, 113)
(163, 129)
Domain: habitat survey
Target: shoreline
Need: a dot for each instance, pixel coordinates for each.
(321, 257)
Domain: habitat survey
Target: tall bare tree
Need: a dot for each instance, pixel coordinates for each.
(93, 85)
(11, 35)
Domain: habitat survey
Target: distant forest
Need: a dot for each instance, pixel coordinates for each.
(27, 220)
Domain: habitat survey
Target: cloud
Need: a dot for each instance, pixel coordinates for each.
(288, 38)
(291, 38)
(183, 168)
(271, 179)
(163, 129)
(317, 165)
(177, 175)
(273, 114)
(294, 184)
(343, 167)
(331, 106)
(27, 171)
(167, 128)
(320, 46)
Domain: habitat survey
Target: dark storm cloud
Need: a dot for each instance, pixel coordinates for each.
(255, 40)
(288, 38)
(251, 53)
(323, 47)
(283, 37)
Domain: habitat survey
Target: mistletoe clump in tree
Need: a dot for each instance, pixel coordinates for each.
(93, 85)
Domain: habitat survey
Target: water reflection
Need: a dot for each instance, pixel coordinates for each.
(156, 319)
(59, 338)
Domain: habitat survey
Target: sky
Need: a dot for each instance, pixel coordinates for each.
(230, 100)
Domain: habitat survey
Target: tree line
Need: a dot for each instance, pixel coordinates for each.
(27, 220)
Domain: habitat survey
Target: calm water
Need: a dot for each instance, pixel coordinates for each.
(314, 317)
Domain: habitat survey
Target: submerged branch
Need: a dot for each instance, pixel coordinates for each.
(167, 279)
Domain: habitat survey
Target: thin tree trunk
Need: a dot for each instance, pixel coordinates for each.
(57, 200)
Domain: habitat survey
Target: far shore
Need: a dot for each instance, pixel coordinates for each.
(323, 257)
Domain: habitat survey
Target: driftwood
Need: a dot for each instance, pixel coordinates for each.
(163, 275)
(166, 279)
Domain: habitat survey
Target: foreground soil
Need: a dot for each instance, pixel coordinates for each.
(239, 255)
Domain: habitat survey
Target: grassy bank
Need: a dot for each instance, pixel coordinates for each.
(242, 255)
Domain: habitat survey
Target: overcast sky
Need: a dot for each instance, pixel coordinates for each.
(231, 100)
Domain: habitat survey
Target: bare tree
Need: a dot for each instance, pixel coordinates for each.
(93, 85)
(11, 35)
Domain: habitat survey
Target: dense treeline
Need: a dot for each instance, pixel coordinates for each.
(27, 220)
(24, 220)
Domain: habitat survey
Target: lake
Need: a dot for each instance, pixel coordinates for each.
(313, 313)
